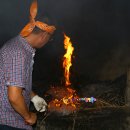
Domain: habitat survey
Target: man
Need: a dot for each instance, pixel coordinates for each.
(16, 65)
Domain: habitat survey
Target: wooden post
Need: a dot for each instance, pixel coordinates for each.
(127, 96)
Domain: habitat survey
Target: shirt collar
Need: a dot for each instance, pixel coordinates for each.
(27, 45)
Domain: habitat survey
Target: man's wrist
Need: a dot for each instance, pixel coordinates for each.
(27, 116)
(33, 94)
(35, 98)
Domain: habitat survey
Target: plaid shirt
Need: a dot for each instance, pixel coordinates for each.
(16, 65)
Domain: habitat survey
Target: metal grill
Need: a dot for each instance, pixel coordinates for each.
(102, 120)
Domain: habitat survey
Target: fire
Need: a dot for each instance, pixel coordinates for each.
(67, 59)
(65, 99)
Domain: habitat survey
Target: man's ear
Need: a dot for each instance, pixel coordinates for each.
(43, 35)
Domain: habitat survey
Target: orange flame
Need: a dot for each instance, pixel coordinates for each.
(67, 59)
(65, 99)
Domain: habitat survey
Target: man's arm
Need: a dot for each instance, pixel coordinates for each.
(18, 103)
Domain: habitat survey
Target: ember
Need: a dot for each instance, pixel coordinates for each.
(64, 101)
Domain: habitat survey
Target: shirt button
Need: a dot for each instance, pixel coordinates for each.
(8, 83)
(33, 54)
(32, 61)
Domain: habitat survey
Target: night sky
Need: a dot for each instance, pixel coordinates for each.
(99, 31)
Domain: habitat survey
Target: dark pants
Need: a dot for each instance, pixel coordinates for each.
(4, 127)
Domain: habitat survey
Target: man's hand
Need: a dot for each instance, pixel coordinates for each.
(31, 119)
(39, 103)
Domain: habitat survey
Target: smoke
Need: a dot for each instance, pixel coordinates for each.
(99, 30)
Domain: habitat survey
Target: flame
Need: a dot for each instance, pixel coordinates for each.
(65, 98)
(67, 59)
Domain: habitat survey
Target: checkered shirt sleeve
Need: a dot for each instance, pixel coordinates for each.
(16, 68)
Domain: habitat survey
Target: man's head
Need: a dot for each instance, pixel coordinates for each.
(38, 37)
(37, 33)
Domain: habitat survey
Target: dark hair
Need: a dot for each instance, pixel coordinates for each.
(37, 30)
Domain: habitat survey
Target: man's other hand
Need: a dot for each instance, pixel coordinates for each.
(31, 119)
(39, 103)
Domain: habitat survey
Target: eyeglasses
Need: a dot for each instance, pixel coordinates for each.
(51, 37)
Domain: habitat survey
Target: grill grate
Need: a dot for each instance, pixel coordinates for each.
(84, 120)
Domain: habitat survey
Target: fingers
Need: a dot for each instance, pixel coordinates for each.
(32, 119)
(43, 109)
(44, 102)
(27, 123)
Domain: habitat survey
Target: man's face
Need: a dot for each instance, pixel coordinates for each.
(43, 39)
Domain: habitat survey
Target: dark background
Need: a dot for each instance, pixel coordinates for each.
(99, 31)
